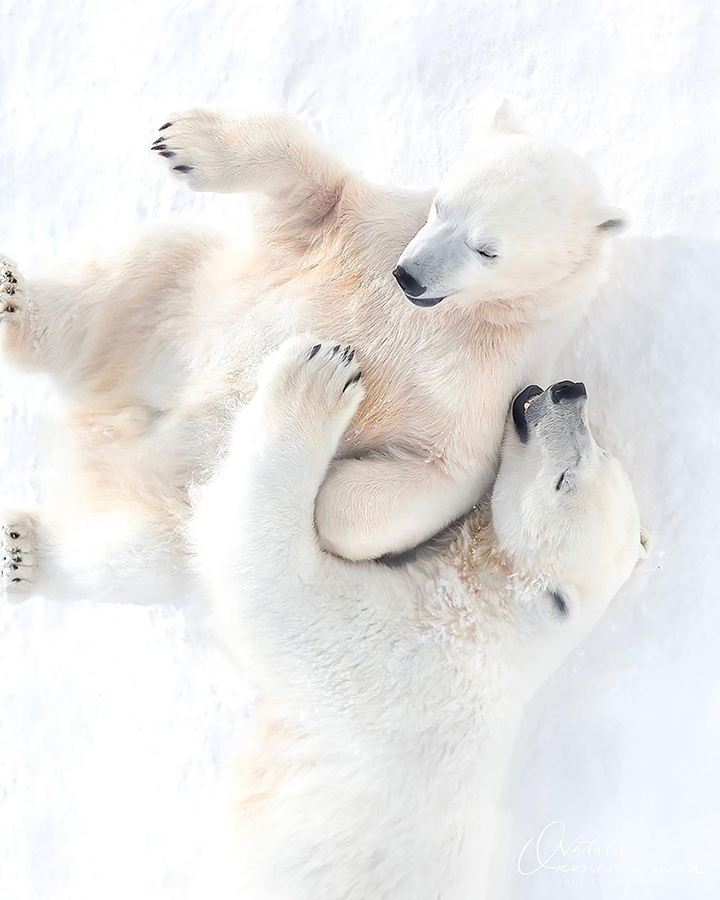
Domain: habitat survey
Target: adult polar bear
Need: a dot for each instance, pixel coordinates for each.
(153, 347)
(388, 695)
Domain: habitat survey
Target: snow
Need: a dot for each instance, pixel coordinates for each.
(118, 727)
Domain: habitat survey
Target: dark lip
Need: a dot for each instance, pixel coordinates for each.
(425, 302)
(518, 410)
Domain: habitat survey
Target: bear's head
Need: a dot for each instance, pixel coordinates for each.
(515, 219)
(564, 511)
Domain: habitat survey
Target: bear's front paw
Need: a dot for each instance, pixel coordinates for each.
(307, 383)
(13, 294)
(18, 568)
(196, 149)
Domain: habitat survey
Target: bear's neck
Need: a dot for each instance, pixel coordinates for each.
(472, 552)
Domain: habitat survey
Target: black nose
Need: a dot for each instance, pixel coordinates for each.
(567, 390)
(408, 283)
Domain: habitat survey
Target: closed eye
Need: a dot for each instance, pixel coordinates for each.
(560, 480)
(488, 251)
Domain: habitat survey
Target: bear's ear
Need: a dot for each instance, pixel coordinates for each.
(612, 221)
(646, 543)
(505, 121)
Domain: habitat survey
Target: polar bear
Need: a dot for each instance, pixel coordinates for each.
(388, 694)
(152, 348)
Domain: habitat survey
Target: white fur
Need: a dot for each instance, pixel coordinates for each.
(155, 346)
(389, 695)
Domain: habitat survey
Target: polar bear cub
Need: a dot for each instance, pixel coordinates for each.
(154, 346)
(390, 693)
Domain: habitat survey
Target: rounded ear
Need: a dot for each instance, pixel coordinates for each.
(646, 543)
(612, 221)
(505, 121)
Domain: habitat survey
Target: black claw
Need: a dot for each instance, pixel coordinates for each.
(160, 140)
(158, 146)
(168, 154)
(335, 349)
(314, 350)
(184, 169)
(163, 127)
(352, 381)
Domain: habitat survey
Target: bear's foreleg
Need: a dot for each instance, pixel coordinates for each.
(268, 153)
(369, 508)
(254, 529)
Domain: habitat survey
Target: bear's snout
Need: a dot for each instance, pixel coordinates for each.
(409, 284)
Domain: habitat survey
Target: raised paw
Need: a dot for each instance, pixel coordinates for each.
(18, 568)
(309, 383)
(12, 291)
(196, 148)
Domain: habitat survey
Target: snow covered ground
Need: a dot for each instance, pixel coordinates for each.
(117, 727)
